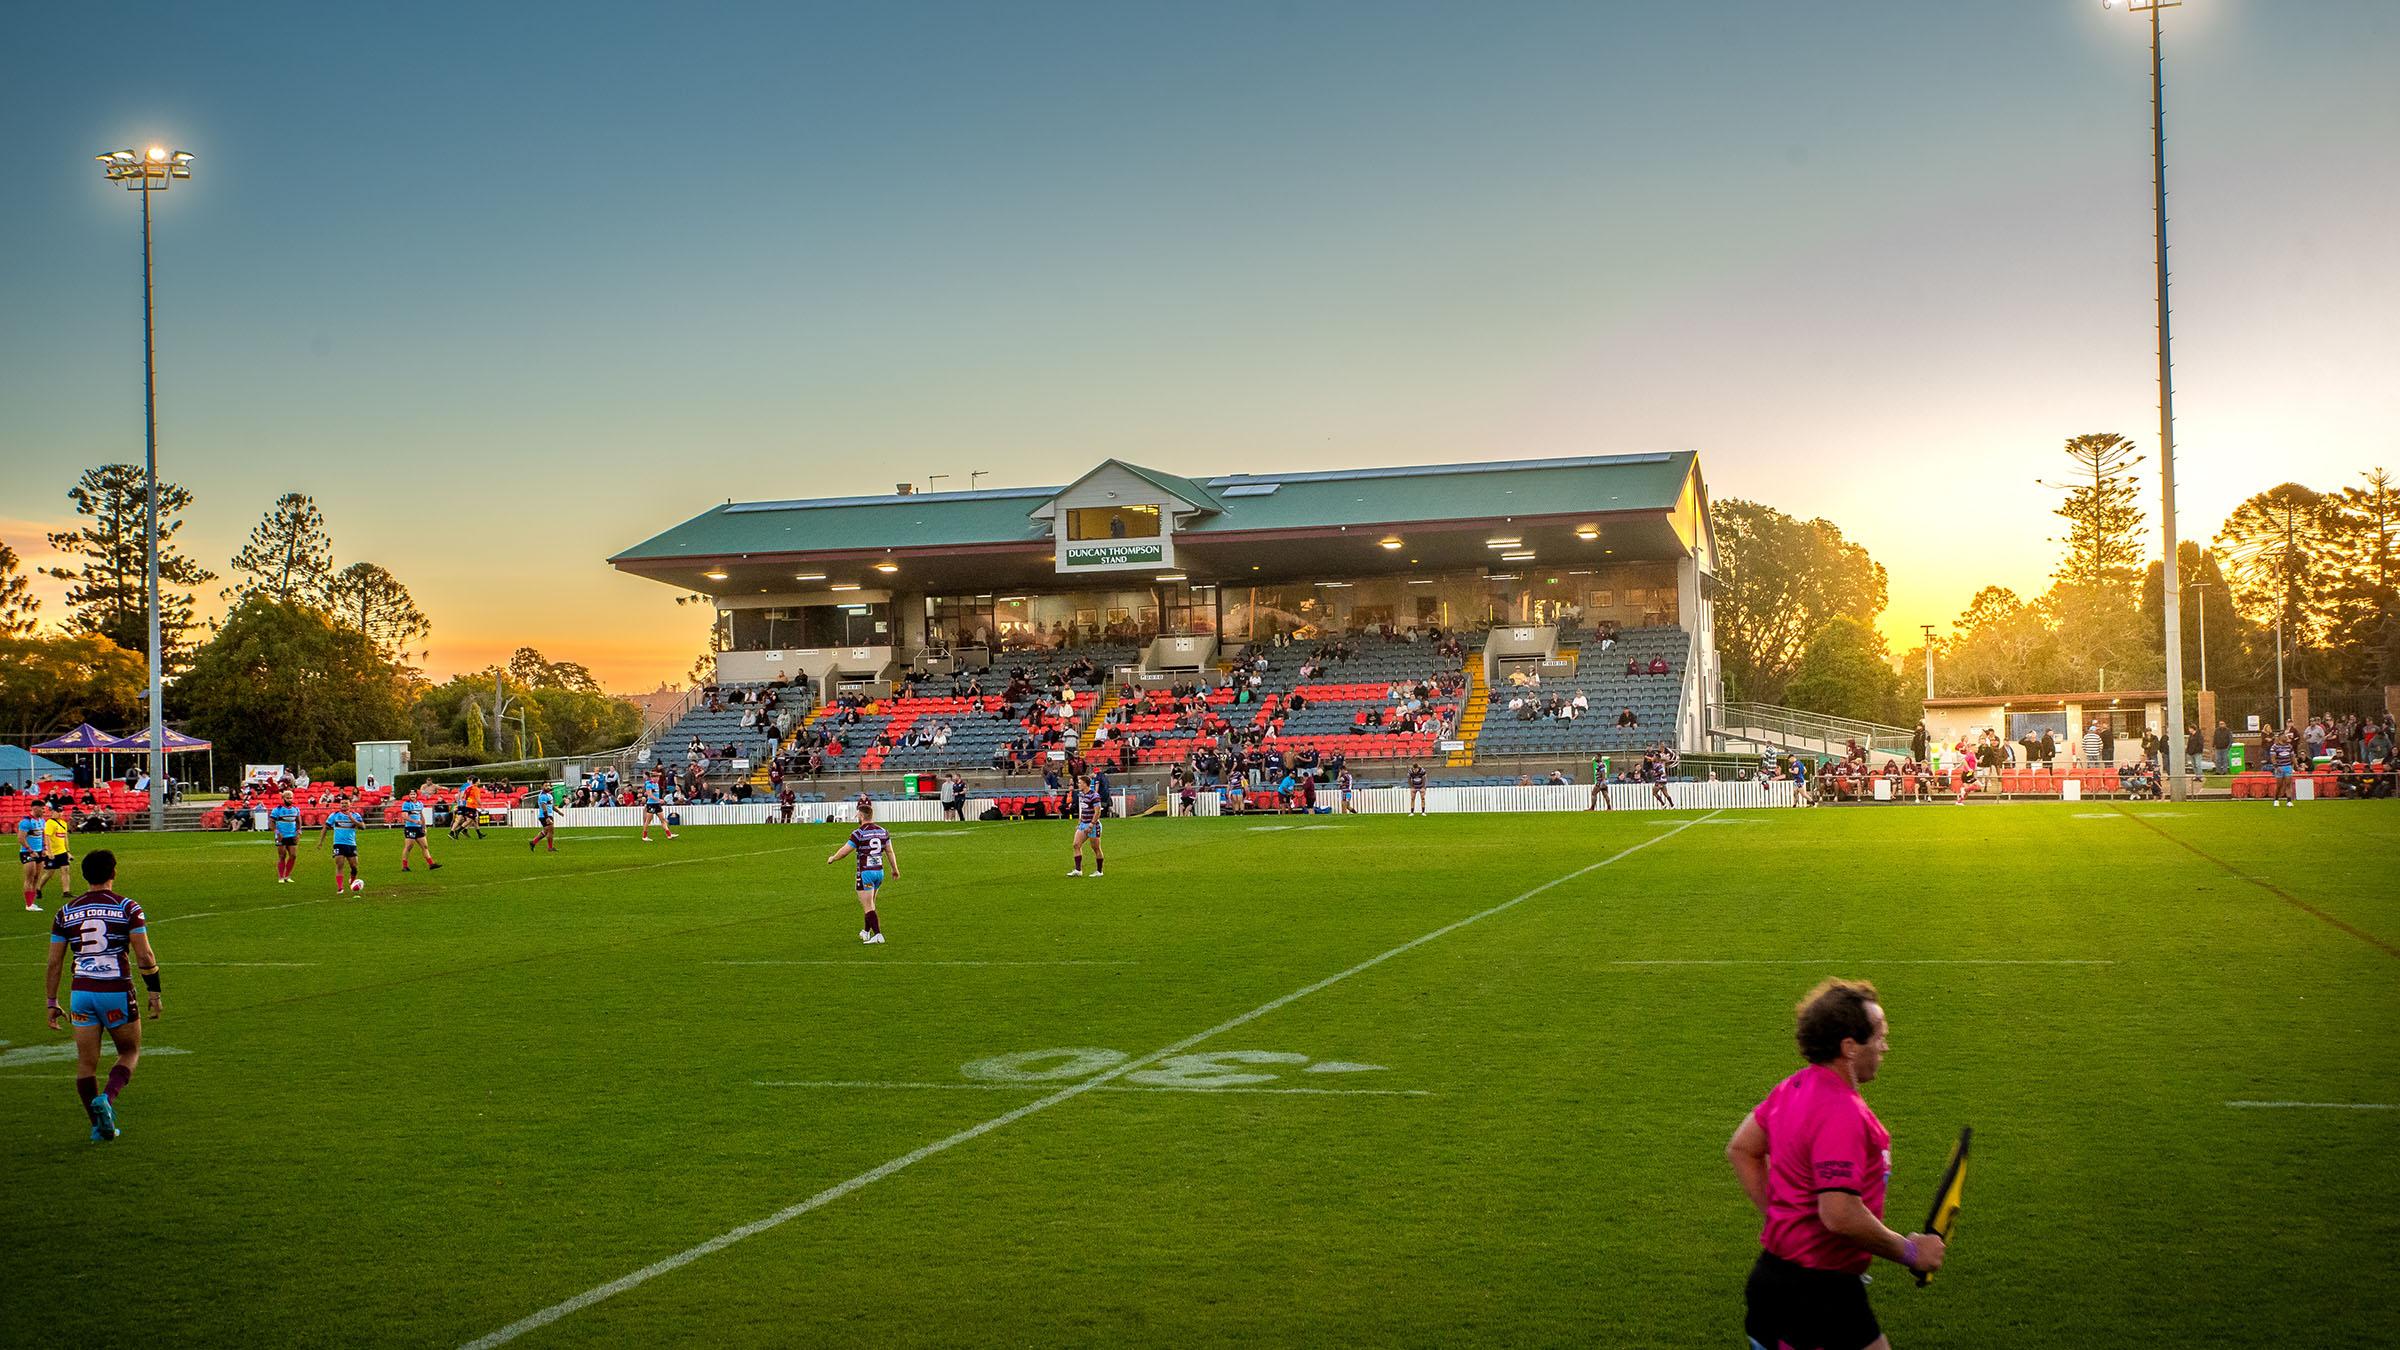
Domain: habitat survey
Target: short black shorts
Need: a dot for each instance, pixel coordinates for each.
(57, 862)
(1792, 1305)
(345, 850)
(418, 831)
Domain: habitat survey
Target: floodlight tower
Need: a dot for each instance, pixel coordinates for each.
(154, 170)
(2170, 592)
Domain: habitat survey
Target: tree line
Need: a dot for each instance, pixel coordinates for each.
(307, 658)
(1797, 604)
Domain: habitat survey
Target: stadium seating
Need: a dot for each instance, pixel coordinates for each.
(1600, 676)
(719, 729)
(1348, 707)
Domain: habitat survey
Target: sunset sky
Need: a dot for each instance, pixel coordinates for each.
(508, 288)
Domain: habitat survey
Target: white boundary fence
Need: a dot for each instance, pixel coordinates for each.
(1392, 801)
(1386, 801)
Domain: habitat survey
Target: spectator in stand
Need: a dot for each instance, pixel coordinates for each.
(1633, 665)
(2093, 746)
(1627, 719)
(1658, 665)
(2108, 744)
(1917, 742)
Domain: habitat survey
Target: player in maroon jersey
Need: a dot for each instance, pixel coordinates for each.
(1090, 796)
(872, 845)
(108, 933)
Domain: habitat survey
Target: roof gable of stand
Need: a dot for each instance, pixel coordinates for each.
(1189, 497)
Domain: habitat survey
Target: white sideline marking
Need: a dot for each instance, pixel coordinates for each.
(668, 1265)
(536, 879)
(877, 961)
(25, 1056)
(1341, 1066)
(1110, 1087)
(1868, 962)
(2320, 1106)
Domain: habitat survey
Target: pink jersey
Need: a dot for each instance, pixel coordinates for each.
(1821, 1136)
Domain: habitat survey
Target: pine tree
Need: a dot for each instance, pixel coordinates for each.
(288, 557)
(108, 590)
(372, 601)
(19, 610)
(2104, 516)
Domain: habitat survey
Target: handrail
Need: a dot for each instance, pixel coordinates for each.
(1797, 725)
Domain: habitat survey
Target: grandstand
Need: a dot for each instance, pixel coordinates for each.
(1609, 690)
(888, 616)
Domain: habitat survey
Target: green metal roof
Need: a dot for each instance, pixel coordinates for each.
(1241, 502)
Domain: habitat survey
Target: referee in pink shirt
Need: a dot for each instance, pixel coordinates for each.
(1814, 1160)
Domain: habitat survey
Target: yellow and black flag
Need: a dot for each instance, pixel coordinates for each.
(1942, 1219)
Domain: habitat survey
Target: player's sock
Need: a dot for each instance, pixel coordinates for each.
(118, 1077)
(85, 1090)
(874, 922)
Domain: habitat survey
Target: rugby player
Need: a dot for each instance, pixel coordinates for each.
(1658, 781)
(285, 821)
(1091, 805)
(1348, 809)
(872, 845)
(1416, 790)
(412, 831)
(545, 811)
(342, 823)
(468, 814)
(1814, 1161)
(104, 928)
(55, 857)
(654, 804)
(30, 848)
(1599, 799)
(2283, 758)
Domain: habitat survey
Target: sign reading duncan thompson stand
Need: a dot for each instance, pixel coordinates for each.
(1103, 555)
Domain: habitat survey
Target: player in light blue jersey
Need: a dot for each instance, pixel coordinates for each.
(342, 823)
(285, 821)
(412, 831)
(654, 806)
(545, 812)
(29, 852)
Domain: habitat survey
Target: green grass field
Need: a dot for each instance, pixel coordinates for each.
(419, 1116)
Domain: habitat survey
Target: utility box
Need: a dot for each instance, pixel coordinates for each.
(380, 762)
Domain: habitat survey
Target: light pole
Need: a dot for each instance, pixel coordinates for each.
(1928, 658)
(153, 171)
(2170, 592)
(2201, 587)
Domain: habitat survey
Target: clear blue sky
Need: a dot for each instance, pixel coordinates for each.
(510, 287)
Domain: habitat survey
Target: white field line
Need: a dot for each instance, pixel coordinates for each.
(668, 1265)
(1110, 1087)
(1868, 962)
(252, 965)
(2319, 1106)
(534, 880)
(879, 962)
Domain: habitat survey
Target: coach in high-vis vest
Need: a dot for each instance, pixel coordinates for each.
(1814, 1161)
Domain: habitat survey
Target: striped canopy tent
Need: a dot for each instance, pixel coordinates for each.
(83, 740)
(139, 743)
